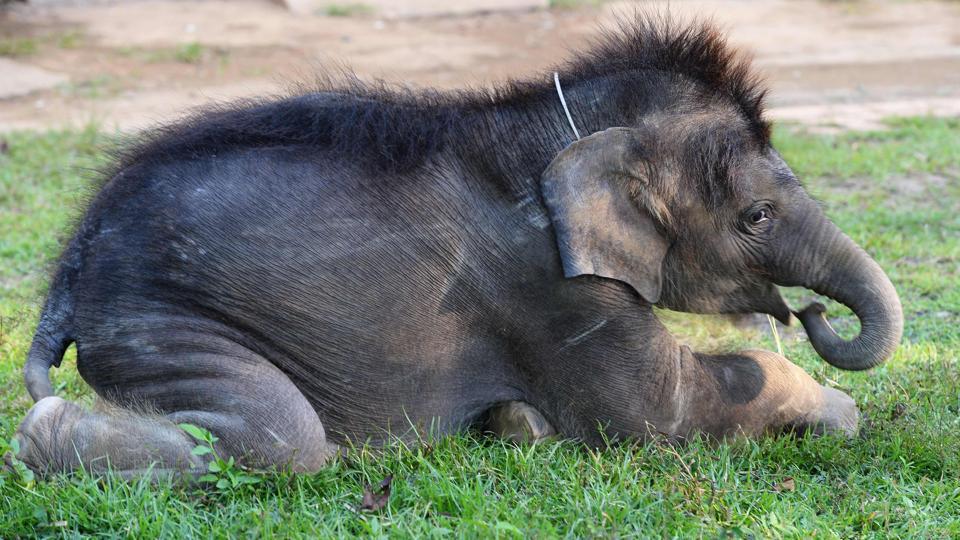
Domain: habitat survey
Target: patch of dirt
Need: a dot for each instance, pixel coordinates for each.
(21, 79)
(924, 190)
(129, 64)
(918, 185)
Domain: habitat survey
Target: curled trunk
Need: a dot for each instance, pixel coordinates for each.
(845, 273)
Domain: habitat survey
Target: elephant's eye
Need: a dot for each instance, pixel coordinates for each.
(759, 216)
(757, 219)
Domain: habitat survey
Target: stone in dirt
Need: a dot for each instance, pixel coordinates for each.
(20, 79)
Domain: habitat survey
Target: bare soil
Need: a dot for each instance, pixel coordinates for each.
(130, 64)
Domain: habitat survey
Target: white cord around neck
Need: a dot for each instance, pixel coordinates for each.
(556, 80)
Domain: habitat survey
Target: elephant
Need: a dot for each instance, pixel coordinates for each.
(362, 262)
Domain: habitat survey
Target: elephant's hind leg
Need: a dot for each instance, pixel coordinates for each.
(255, 411)
(60, 436)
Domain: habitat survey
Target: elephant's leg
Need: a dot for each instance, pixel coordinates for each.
(517, 421)
(255, 411)
(60, 436)
(757, 392)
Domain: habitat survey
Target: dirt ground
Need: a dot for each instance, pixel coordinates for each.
(129, 64)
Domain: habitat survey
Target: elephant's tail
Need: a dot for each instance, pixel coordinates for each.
(51, 340)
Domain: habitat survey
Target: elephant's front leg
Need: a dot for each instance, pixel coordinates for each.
(755, 392)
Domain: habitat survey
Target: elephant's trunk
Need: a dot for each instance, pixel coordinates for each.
(848, 275)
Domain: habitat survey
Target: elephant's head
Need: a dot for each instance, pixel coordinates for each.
(698, 215)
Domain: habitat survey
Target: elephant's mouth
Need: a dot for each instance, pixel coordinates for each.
(772, 303)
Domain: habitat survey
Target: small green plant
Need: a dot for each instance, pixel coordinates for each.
(18, 469)
(17, 47)
(70, 40)
(95, 87)
(347, 10)
(185, 53)
(573, 4)
(189, 53)
(225, 473)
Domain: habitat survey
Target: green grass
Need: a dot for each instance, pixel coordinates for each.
(97, 86)
(347, 10)
(23, 46)
(189, 53)
(895, 192)
(71, 39)
(16, 47)
(573, 4)
(184, 53)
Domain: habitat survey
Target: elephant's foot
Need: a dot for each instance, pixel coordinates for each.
(838, 414)
(257, 416)
(754, 393)
(171, 378)
(518, 421)
(60, 436)
(49, 418)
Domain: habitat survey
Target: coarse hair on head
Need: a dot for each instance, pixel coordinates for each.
(695, 50)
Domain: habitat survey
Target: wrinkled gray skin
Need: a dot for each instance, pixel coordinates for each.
(348, 306)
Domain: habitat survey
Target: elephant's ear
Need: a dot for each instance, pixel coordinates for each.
(593, 191)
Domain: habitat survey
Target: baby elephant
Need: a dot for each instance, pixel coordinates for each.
(358, 263)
